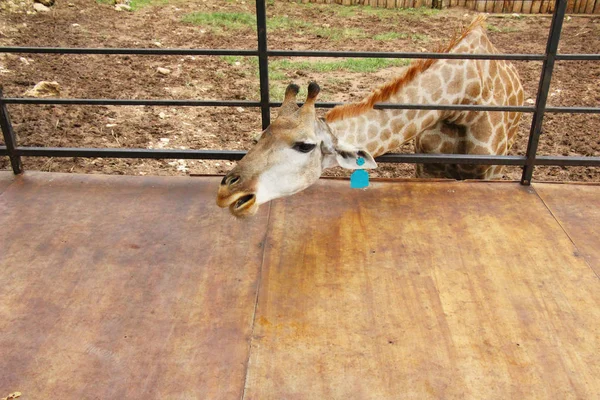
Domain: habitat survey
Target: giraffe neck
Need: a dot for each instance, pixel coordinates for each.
(380, 131)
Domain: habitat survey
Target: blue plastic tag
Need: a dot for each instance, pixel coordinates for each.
(359, 178)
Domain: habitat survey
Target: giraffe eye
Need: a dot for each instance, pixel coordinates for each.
(304, 147)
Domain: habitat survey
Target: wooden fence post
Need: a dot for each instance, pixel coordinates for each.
(490, 6)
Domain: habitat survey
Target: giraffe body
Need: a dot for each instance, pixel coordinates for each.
(478, 82)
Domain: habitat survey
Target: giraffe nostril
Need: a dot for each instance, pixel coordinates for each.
(229, 180)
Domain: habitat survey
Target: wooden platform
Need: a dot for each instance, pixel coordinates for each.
(141, 288)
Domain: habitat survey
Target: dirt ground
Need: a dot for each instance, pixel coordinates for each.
(83, 23)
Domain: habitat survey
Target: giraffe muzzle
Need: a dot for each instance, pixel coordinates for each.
(241, 203)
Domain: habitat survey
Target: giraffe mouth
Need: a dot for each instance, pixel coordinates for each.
(244, 206)
(241, 204)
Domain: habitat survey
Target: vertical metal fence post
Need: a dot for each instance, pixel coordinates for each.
(263, 62)
(543, 88)
(9, 137)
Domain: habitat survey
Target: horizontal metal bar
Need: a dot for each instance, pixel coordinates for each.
(250, 103)
(130, 153)
(294, 53)
(129, 51)
(291, 53)
(274, 53)
(451, 159)
(430, 55)
(3, 151)
(574, 110)
(577, 57)
(450, 107)
(568, 161)
(246, 103)
(238, 154)
(233, 155)
(128, 102)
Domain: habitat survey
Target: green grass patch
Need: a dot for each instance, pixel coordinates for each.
(419, 37)
(509, 29)
(349, 64)
(350, 11)
(232, 21)
(243, 20)
(137, 4)
(238, 21)
(277, 75)
(338, 33)
(390, 36)
(232, 60)
(280, 22)
(279, 69)
(422, 11)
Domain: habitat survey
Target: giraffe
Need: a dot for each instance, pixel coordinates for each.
(292, 152)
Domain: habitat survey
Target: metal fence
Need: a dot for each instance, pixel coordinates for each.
(528, 162)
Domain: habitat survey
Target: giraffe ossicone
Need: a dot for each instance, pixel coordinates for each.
(292, 152)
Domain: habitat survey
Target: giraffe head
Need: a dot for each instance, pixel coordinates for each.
(288, 157)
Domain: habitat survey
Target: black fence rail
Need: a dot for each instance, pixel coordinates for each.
(528, 162)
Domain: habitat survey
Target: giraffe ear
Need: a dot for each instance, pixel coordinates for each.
(258, 135)
(347, 157)
(337, 153)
